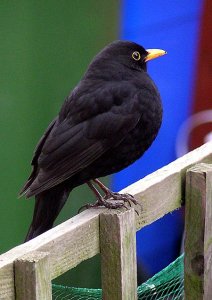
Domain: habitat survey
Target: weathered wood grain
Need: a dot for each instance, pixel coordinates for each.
(198, 229)
(32, 278)
(164, 190)
(78, 238)
(68, 244)
(118, 255)
(208, 238)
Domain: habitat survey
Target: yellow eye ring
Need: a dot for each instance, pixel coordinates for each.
(136, 55)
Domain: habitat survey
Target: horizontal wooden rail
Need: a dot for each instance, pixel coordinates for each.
(77, 239)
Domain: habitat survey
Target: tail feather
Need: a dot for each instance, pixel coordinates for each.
(48, 204)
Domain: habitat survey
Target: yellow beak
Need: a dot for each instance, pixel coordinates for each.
(154, 53)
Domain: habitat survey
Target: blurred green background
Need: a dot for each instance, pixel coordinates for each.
(45, 49)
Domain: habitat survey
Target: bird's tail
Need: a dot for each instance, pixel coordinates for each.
(48, 204)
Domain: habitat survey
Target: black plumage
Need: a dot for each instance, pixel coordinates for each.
(106, 123)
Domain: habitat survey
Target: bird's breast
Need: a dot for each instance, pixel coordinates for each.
(140, 138)
(135, 143)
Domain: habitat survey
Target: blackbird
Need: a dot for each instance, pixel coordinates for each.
(106, 123)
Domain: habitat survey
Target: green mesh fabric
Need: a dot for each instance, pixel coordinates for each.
(167, 284)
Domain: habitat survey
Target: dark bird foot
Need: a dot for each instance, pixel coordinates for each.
(102, 202)
(126, 198)
(109, 195)
(106, 200)
(123, 197)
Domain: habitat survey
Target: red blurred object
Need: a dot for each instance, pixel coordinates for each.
(203, 82)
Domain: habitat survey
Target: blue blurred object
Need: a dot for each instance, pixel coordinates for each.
(172, 26)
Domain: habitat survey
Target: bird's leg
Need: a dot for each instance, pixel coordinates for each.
(101, 201)
(110, 195)
(101, 185)
(95, 191)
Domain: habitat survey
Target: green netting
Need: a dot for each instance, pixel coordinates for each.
(167, 284)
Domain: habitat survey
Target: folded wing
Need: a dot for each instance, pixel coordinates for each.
(72, 142)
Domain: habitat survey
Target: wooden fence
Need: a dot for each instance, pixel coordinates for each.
(26, 271)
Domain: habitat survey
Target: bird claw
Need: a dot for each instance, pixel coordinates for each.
(103, 203)
(124, 197)
(118, 197)
(119, 201)
(89, 205)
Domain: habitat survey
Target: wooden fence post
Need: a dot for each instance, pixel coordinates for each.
(118, 255)
(198, 229)
(32, 277)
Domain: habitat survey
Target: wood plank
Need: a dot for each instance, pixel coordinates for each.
(208, 238)
(164, 190)
(78, 238)
(7, 291)
(68, 244)
(32, 278)
(198, 229)
(118, 255)
(194, 233)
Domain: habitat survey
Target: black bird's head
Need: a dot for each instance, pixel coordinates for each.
(127, 54)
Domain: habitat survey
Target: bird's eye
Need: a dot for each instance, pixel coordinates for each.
(136, 55)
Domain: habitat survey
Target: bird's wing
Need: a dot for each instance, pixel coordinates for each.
(36, 155)
(81, 135)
